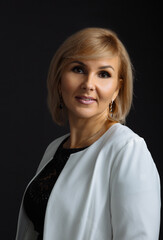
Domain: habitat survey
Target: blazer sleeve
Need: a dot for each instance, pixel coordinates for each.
(135, 194)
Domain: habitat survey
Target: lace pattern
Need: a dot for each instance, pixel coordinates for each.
(38, 192)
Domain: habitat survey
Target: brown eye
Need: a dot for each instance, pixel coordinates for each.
(78, 69)
(104, 74)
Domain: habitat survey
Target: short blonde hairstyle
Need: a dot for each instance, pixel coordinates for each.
(91, 43)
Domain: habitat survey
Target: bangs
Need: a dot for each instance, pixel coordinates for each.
(91, 47)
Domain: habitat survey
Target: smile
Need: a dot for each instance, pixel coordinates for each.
(85, 100)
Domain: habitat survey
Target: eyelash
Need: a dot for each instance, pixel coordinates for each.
(107, 75)
(77, 68)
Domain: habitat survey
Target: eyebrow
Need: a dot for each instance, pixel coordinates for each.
(102, 67)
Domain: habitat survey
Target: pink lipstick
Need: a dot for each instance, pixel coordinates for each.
(85, 99)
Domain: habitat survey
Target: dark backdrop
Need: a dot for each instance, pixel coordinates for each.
(30, 34)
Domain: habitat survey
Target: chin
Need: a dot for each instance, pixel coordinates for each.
(83, 113)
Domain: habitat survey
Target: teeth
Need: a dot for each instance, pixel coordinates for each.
(87, 99)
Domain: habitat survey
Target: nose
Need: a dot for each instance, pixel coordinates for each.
(88, 83)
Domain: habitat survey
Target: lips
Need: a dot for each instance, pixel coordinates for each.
(85, 99)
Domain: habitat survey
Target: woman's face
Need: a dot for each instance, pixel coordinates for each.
(88, 86)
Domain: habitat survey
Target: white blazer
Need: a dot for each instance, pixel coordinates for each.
(108, 191)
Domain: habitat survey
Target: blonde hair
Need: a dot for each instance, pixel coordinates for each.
(91, 43)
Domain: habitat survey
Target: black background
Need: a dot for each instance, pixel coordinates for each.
(30, 34)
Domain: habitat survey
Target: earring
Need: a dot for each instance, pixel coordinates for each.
(111, 108)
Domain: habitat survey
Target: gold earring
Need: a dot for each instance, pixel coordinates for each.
(111, 109)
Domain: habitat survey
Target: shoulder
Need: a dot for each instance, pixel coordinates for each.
(122, 132)
(128, 143)
(133, 169)
(128, 151)
(120, 137)
(133, 160)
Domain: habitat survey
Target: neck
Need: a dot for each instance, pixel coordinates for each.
(84, 132)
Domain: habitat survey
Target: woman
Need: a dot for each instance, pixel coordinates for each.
(99, 181)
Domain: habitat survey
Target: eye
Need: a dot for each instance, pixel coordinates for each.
(104, 74)
(78, 69)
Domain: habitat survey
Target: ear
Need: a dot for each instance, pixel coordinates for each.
(119, 85)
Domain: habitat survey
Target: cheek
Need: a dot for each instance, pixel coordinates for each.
(65, 86)
(106, 92)
(68, 84)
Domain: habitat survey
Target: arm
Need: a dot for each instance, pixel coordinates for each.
(135, 194)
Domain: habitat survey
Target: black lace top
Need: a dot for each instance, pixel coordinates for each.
(38, 192)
